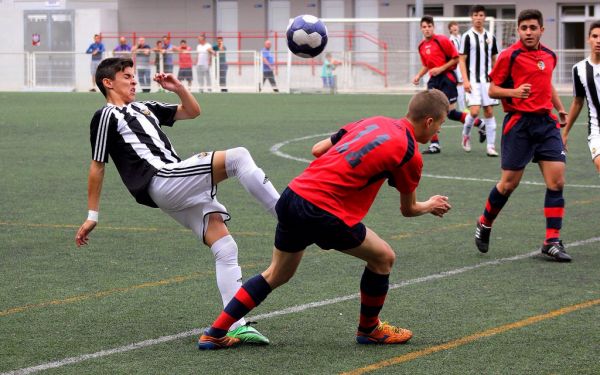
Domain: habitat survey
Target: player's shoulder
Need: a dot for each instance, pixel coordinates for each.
(105, 110)
(547, 50)
(580, 65)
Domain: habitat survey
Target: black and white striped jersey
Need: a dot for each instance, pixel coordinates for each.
(586, 84)
(455, 39)
(479, 49)
(132, 136)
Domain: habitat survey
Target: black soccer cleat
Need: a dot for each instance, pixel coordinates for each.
(556, 250)
(482, 237)
(482, 134)
(434, 148)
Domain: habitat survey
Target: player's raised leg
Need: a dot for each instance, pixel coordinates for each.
(239, 163)
(374, 285)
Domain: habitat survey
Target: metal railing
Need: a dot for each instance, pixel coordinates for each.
(360, 71)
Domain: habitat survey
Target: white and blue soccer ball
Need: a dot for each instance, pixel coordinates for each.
(306, 36)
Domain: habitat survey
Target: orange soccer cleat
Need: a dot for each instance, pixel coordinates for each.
(384, 333)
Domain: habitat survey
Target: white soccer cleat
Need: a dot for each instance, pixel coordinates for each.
(491, 152)
(466, 143)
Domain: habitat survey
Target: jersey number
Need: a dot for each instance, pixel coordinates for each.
(354, 158)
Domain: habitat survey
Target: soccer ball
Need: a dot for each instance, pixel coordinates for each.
(306, 36)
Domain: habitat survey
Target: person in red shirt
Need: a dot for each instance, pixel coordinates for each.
(522, 78)
(326, 203)
(185, 63)
(440, 58)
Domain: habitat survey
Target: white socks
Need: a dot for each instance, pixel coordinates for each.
(239, 163)
(469, 121)
(490, 131)
(229, 273)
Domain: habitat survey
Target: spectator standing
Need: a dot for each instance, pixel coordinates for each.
(205, 53)
(142, 62)
(122, 49)
(96, 49)
(158, 55)
(219, 48)
(185, 63)
(329, 66)
(167, 55)
(268, 62)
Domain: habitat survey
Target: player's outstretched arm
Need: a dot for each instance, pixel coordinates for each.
(189, 107)
(437, 205)
(574, 111)
(95, 179)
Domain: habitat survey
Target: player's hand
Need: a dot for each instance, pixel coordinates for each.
(82, 236)
(523, 91)
(435, 71)
(167, 81)
(562, 118)
(467, 86)
(439, 205)
(415, 80)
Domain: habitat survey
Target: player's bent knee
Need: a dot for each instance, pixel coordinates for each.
(384, 261)
(238, 160)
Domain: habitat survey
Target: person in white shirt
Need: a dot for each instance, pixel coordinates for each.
(205, 53)
(478, 51)
(454, 37)
(586, 86)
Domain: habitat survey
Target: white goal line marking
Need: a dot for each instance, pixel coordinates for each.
(289, 310)
(276, 150)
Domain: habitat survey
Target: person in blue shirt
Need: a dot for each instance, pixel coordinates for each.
(268, 64)
(168, 55)
(97, 51)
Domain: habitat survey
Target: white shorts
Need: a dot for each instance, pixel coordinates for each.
(185, 192)
(594, 145)
(479, 95)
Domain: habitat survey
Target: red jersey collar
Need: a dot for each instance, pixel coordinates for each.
(525, 49)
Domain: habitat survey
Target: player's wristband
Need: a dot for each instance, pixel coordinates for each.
(93, 215)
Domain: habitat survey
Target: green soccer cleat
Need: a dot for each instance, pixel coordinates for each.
(248, 335)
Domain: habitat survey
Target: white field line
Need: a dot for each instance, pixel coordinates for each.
(275, 149)
(289, 310)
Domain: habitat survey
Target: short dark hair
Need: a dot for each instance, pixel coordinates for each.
(594, 25)
(427, 19)
(452, 23)
(109, 68)
(477, 8)
(530, 14)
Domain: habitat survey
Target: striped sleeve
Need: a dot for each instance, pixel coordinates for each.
(494, 46)
(99, 134)
(165, 113)
(578, 89)
(465, 44)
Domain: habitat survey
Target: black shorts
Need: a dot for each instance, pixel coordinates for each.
(443, 83)
(301, 223)
(530, 136)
